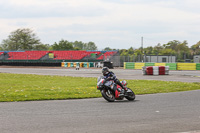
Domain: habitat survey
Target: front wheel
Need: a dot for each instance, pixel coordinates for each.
(130, 95)
(108, 95)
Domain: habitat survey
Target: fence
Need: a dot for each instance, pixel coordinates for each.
(118, 61)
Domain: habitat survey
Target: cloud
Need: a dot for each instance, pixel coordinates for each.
(47, 8)
(114, 23)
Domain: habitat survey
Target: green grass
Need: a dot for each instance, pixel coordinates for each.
(28, 87)
(155, 86)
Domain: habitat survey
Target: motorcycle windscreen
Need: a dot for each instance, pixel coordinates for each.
(99, 78)
(100, 82)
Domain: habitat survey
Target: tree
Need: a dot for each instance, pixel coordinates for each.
(182, 50)
(172, 44)
(168, 51)
(157, 49)
(107, 49)
(131, 51)
(90, 46)
(63, 45)
(123, 52)
(42, 47)
(21, 39)
(78, 45)
(196, 48)
(148, 50)
(183, 47)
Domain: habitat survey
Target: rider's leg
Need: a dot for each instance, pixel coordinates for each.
(119, 83)
(122, 92)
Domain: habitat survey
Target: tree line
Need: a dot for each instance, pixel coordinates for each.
(26, 39)
(173, 48)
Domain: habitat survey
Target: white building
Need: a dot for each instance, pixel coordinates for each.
(196, 59)
(160, 58)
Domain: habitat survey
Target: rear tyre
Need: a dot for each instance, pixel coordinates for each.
(108, 95)
(131, 95)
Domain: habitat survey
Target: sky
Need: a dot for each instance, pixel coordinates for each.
(118, 24)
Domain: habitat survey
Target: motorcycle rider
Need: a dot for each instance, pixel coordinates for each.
(109, 75)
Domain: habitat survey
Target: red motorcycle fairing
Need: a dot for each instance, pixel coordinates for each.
(117, 92)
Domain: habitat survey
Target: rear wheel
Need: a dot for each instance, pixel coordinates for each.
(131, 95)
(108, 95)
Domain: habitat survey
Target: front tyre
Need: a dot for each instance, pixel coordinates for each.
(108, 95)
(131, 95)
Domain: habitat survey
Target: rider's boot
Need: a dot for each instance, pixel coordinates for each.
(121, 92)
(125, 91)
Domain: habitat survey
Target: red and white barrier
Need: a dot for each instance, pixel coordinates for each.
(155, 70)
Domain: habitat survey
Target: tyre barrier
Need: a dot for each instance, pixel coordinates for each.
(139, 65)
(172, 66)
(198, 66)
(77, 64)
(155, 70)
(129, 65)
(186, 66)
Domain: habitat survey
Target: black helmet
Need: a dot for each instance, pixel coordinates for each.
(105, 71)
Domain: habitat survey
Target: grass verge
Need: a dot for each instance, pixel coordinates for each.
(28, 87)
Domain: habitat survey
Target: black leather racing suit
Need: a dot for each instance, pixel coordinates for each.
(111, 76)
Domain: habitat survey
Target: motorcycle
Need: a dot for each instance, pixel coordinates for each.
(111, 91)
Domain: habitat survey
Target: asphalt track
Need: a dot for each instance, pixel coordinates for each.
(156, 113)
(182, 76)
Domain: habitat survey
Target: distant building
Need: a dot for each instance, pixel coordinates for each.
(196, 59)
(160, 58)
